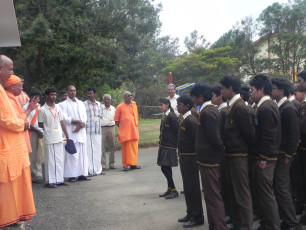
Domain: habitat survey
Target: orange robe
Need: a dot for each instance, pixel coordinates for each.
(16, 196)
(23, 98)
(20, 114)
(128, 134)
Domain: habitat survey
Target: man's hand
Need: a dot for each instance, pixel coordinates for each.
(40, 135)
(82, 124)
(77, 128)
(262, 164)
(26, 126)
(33, 103)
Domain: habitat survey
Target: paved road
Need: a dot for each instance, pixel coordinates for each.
(116, 201)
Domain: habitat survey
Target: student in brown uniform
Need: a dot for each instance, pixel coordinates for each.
(218, 100)
(238, 136)
(245, 93)
(267, 140)
(301, 154)
(188, 163)
(210, 150)
(167, 155)
(289, 140)
(291, 97)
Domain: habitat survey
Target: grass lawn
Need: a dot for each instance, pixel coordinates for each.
(148, 132)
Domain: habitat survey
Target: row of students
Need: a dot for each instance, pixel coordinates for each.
(251, 149)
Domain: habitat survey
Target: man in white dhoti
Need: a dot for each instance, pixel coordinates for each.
(93, 132)
(50, 118)
(76, 165)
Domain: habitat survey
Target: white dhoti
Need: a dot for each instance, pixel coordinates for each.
(54, 163)
(76, 164)
(94, 153)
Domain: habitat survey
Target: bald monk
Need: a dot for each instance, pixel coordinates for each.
(16, 197)
(126, 118)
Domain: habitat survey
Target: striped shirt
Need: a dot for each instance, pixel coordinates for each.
(94, 114)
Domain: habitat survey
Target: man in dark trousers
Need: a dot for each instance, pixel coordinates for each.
(238, 136)
(290, 137)
(267, 140)
(188, 163)
(209, 149)
(218, 100)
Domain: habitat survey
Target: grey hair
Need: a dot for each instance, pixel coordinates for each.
(171, 85)
(107, 95)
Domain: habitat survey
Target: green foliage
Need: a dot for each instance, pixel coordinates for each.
(85, 42)
(207, 65)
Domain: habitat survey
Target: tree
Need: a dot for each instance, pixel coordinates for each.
(195, 41)
(285, 25)
(208, 65)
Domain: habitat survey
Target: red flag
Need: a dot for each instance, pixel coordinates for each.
(170, 78)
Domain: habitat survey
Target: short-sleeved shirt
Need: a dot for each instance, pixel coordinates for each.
(51, 118)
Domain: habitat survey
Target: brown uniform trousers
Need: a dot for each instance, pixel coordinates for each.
(191, 183)
(282, 192)
(239, 190)
(263, 179)
(214, 205)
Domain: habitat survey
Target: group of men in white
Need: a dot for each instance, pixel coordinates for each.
(90, 125)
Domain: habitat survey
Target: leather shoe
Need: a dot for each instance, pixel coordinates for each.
(172, 195)
(165, 193)
(184, 219)
(194, 222)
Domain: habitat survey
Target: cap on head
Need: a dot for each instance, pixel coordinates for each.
(12, 81)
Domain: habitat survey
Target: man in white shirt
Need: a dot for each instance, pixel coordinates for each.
(50, 118)
(93, 132)
(35, 133)
(173, 97)
(75, 117)
(108, 131)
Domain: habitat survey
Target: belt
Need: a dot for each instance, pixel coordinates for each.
(108, 126)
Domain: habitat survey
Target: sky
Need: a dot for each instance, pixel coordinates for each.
(210, 18)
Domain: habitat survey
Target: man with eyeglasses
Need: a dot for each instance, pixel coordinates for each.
(126, 118)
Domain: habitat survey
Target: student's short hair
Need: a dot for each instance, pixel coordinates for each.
(302, 75)
(165, 101)
(231, 81)
(291, 88)
(282, 83)
(91, 89)
(34, 92)
(63, 92)
(245, 92)
(186, 100)
(203, 89)
(217, 90)
(262, 81)
(50, 90)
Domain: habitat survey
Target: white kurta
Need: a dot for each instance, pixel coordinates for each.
(94, 142)
(75, 164)
(54, 163)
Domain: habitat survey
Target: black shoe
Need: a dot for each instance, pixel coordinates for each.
(299, 209)
(182, 192)
(172, 195)
(50, 185)
(228, 220)
(194, 222)
(62, 184)
(184, 219)
(126, 168)
(165, 193)
(135, 167)
(302, 220)
(85, 178)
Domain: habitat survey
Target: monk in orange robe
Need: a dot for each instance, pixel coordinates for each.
(126, 118)
(16, 196)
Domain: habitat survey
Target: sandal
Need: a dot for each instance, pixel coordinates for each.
(135, 167)
(125, 168)
(72, 179)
